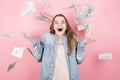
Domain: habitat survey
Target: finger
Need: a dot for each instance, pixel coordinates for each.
(25, 35)
(92, 41)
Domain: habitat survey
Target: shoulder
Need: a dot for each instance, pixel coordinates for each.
(47, 37)
(47, 34)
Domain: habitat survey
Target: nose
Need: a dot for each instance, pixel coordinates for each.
(59, 24)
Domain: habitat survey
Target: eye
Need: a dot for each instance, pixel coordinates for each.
(63, 22)
(55, 22)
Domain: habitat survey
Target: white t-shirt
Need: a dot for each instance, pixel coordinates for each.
(61, 68)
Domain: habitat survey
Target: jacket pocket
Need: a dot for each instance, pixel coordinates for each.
(48, 50)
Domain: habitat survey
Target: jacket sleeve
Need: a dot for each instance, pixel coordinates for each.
(38, 48)
(80, 53)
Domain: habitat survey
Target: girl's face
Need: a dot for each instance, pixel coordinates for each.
(60, 26)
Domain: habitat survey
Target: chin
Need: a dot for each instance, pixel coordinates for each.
(60, 33)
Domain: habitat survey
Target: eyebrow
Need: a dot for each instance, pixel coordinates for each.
(63, 20)
(55, 21)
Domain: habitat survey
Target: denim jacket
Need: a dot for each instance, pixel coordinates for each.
(45, 52)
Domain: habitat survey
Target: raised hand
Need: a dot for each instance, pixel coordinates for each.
(26, 36)
(88, 40)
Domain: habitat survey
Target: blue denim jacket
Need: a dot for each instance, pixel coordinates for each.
(45, 52)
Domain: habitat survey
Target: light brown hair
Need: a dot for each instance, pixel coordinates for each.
(71, 35)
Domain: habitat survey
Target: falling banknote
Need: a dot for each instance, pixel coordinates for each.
(44, 17)
(86, 11)
(87, 27)
(29, 8)
(82, 27)
(11, 35)
(88, 30)
(11, 66)
(43, 2)
(18, 52)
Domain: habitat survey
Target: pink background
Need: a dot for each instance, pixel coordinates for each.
(106, 30)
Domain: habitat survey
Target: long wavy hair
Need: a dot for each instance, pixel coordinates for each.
(71, 35)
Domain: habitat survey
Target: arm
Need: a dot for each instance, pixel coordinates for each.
(38, 48)
(80, 54)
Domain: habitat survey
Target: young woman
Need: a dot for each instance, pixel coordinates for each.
(59, 51)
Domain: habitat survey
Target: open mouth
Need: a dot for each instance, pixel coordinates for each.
(60, 29)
